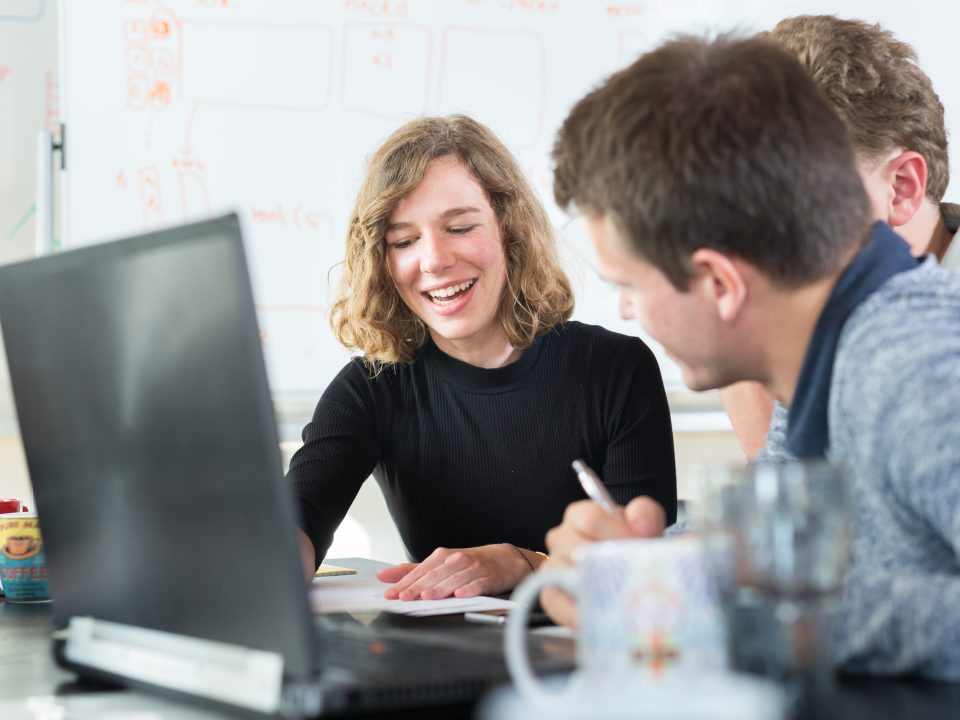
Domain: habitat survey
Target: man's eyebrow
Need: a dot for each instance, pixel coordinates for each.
(446, 215)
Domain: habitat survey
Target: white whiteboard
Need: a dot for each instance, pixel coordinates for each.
(179, 109)
(29, 103)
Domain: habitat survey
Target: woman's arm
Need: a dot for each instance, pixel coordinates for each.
(640, 458)
(307, 555)
(340, 449)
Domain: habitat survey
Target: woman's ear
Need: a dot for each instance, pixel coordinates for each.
(720, 281)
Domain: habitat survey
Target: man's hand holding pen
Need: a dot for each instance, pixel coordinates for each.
(587, 521)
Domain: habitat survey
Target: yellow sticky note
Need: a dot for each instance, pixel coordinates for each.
(327, 570)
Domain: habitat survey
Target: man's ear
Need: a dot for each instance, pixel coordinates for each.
(721, 282)
(906, 171)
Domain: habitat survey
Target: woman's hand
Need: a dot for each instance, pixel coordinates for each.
(583, 522)
(464, 572)
(307, 558)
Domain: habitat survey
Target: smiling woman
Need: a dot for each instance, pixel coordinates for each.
(473, 391)
(445, 256)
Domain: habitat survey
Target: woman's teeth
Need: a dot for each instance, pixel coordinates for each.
(444, 295)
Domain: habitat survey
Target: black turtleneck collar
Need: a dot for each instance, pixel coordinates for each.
(483, 380)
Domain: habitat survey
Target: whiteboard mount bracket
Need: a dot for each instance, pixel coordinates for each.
(60, 146)
(47, 145)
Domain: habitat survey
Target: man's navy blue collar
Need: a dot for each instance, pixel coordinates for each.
(885, 255)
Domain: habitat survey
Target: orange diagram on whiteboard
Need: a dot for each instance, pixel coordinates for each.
(152, 59)
(378, 8)
(150, 200)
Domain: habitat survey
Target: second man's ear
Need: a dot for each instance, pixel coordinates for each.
(906, 172)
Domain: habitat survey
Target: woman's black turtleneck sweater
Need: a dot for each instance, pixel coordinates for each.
(468, 456)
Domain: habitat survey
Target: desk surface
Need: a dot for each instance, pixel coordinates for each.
(33, 686)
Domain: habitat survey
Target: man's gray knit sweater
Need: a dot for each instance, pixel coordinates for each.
(894, 417)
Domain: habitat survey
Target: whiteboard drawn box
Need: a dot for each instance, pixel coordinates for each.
(257, 64)
(386, 68)
(21, 10)
(498, 77)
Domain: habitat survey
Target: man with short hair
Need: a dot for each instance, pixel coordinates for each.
(895, 120)
(722, 197)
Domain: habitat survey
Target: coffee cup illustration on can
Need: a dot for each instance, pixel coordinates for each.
(23, 567)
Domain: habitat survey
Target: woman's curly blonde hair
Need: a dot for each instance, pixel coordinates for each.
(369, 315)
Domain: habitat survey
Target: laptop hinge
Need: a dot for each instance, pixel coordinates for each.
(219, 671)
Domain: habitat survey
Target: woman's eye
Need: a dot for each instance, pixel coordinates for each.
(461, 230)
(400, 244)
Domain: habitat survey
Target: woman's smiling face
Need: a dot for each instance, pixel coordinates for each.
(445, 256)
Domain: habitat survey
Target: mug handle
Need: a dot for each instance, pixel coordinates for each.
(515, 634)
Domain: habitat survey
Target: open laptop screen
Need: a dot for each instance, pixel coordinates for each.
(151, 441)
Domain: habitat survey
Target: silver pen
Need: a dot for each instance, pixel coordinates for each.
(594, 488)
(499, 617)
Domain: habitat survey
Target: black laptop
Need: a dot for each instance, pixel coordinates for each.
(151, 441)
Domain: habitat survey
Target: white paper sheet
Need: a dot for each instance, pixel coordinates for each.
(356, 593)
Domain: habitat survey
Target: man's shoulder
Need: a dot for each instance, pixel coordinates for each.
(929, 280)
(904, 341)
(921, 305)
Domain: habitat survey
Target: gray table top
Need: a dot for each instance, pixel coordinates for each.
(33, 686)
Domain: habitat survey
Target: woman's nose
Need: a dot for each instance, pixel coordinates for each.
(435, 257)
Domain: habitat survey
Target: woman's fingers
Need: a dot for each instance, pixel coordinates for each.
(415, 574)
(395, 573)
(406, 588)
(477, 586)
(450, 562)
(474, 576)
(464, 572)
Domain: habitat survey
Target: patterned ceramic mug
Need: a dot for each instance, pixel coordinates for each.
(646, 607)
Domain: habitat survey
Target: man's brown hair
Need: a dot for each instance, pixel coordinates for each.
(877, 87)
(725, 144)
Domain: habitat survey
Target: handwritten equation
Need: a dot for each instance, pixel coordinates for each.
(386, 69)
